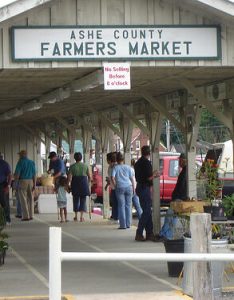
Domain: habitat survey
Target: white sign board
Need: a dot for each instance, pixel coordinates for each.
(117, 76)
(165, 42)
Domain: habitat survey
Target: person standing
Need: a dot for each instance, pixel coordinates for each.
(180, 190)
(62, 198)
(79, 178)
(111, 160)
(135, 198)
(56, 167)
(5, 183)
(122, 178)
(25, 173)
(144, 178)
(179, 194)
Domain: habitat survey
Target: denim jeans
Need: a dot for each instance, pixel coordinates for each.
(137, 206)
(124, 198)
(114, 203)
(145, 222)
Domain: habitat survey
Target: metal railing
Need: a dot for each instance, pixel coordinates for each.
(56, 256)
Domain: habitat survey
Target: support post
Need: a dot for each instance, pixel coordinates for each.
(126, 126)
(104, 134)
(71, 133)
(200, 226)
(154, 123)
(55, 244)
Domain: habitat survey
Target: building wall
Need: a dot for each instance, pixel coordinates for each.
(12, 140)
(117, 12)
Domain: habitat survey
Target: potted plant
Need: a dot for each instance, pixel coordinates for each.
(213, 189)
(228, 204)
(3, 237)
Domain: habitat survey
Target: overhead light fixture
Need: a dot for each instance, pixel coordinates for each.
(55, 96)
(88, 82)
(32, 105)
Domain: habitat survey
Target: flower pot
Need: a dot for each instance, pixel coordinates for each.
(217, 267)
(217, 213)
(174, 246)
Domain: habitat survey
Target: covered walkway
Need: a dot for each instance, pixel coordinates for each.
(25, 272)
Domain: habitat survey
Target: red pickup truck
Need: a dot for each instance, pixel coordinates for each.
(169, 169)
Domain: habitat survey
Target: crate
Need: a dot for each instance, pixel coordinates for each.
(187, 206)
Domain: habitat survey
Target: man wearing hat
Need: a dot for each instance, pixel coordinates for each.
(5, 182)
(56, 167)
(25, 173)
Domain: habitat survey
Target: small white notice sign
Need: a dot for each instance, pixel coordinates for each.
(117, 76)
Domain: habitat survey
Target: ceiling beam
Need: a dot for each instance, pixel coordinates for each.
(157, 105)
(130, 115)
(201, 97)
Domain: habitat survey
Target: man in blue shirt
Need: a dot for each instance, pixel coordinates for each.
(56, 167)
(5, 182)
(25, 173)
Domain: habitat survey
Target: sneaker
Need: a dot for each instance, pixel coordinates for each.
(139, 238)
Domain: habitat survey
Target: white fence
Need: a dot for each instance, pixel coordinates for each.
(56, 256)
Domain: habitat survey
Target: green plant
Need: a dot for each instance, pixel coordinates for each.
(209, 172)
(228, 204)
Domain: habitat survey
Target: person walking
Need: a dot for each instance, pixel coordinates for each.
(62, 198)
(122, 178)
(25, 173)
(5, 183)
(144, 178)
(111, 160)
(135, 199)
(79, 178)
(56, 167)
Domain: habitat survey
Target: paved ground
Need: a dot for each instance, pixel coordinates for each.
(25, 272)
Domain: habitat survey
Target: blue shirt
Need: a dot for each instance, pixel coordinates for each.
(25, 168)
(123, 175)
(5, 170)
(58, 166)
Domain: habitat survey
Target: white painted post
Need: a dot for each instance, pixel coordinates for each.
(200, 225)
(55, 241)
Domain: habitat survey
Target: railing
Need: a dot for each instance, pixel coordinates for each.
(56, 256)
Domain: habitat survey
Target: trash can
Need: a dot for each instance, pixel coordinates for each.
(174, 246)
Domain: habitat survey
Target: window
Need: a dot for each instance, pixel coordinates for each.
(138, 145)
(174, 168)
(161, 164)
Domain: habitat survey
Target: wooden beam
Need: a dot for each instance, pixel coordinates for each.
(224, 118)
(162, 110)
(127, 113)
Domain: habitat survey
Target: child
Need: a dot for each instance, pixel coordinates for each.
(62, 198)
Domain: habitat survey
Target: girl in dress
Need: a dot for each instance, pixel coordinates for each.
(62, 198)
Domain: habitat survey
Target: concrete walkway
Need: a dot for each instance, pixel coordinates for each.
(25, 272)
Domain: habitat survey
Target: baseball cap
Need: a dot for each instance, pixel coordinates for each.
(22, 153)
(52, 154)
